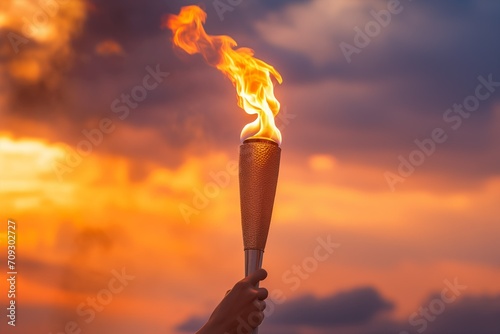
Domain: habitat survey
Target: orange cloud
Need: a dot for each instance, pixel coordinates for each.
(39, 34)
(109, 48)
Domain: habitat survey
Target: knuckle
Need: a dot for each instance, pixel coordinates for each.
(241, 285)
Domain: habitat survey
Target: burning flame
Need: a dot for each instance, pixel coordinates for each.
(250, 76)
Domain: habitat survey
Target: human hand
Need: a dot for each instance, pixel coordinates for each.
(242, 308)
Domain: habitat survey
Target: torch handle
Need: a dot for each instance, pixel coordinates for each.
(253, 262)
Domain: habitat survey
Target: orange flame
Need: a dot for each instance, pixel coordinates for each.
(250, 76)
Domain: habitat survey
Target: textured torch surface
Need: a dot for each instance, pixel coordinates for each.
(259, 167)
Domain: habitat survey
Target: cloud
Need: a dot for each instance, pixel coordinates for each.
(38, 52)
(316, 28)
(311, 28)
(109, 47)
(469, 315)
(397, 79)
(191, 325)
(345, 308)
(359, 311)
(353, 307)
(472, 315)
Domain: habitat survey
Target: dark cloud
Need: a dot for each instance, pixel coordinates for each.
(359, 311)
(191, 325)
(345, 308)
(406, 78)
(470, 315)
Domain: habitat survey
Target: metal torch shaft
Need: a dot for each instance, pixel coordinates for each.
(253, 262)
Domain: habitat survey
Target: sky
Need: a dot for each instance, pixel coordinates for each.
(117, 156)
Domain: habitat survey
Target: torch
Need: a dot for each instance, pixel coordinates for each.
(259, 158)
(258, 171)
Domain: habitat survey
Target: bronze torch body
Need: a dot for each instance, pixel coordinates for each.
(258, 174)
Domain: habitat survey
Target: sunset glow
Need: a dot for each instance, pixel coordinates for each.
(155, 200)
